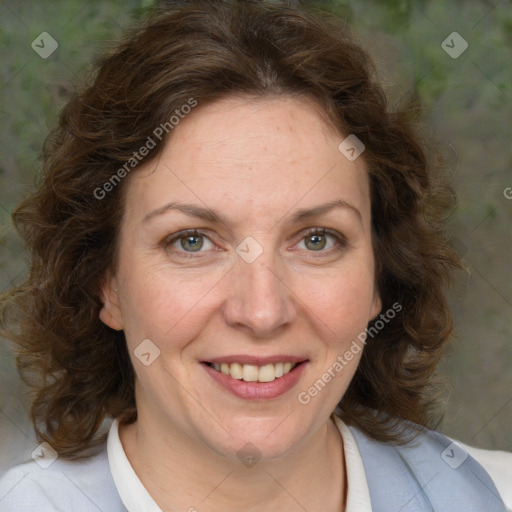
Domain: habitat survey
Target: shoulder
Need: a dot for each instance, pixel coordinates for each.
(498, 465)
(449, 464)
(60, 485)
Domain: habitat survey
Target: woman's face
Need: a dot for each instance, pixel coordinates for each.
(247, 246)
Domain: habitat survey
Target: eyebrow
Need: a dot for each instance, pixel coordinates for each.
(210, 215)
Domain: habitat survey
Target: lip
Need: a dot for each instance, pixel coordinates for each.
(258, 390)
(256, 360)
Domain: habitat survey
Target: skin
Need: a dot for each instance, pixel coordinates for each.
(255, 162)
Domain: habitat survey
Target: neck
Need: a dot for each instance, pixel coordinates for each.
(183, 474)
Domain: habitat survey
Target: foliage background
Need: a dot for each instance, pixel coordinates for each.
(467, 105)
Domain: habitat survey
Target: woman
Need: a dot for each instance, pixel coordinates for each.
(238, 256)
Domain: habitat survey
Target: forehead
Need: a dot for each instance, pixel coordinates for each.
(253, 157)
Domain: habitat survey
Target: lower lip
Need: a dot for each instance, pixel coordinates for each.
(258, 390)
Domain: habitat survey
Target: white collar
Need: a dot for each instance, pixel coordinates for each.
(134, 495)
(358, 494)
(136, 498)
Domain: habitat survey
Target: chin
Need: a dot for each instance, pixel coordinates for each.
(262, 438)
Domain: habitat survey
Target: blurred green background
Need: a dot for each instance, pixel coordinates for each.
(467, 106)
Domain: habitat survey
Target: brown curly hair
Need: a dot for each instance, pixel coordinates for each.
(207, 50)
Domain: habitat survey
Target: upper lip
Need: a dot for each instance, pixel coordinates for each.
(256, 360)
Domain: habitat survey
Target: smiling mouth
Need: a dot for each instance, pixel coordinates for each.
(254, 373)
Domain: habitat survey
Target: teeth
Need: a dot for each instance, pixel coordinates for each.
(253, 373)
(250, 373)
(267, 373)
(235, 370)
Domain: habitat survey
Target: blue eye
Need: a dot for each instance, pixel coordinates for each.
(190, 242)
(319, 240)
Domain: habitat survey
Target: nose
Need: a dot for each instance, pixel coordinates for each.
(260, 301)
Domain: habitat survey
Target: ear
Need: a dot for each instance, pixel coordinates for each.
(376, 306)
(110, 312)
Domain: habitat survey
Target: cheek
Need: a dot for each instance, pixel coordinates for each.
(162, 305)
(171, 307)
(341, 301)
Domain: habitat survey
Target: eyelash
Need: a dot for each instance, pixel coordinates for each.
(340, 241)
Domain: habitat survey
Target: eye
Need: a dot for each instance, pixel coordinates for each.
(317, 240)
(321, 240)
(190, 242)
